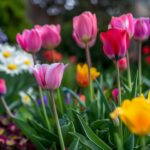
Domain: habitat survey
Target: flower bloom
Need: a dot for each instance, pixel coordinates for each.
(50, 35)
(2, 87)
(49, 76)
(124, 22)
(142, 28)
(135, 114)
(29, 41)
(146, 50)
(115, 48)
(115, 94)
(85, 29)
(52, 56)
(82, 74)
(122, 63)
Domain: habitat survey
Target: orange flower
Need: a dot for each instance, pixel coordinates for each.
(82, 74)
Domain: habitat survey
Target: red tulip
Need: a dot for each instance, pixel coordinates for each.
(85, 29)
(115, 43)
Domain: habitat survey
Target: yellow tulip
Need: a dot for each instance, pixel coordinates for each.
(135, 114)
(82, 74)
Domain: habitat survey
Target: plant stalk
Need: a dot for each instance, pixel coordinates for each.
(57, 120)
(143, 143)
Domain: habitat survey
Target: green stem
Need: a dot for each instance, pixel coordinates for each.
(143, 144)
(6, 107)
(60, 101)
(88, 60)
(128, 70)
(44, 109)
(57, 120)
(140, 68)
(119, 97)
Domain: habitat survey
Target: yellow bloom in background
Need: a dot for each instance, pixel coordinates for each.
(82, 74)
(135, 114)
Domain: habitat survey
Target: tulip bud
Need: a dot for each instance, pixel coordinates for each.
(2, 87)
(142, 28)
(115, 48)
(122, 64)
(29, 41)
(50, 35)
(49, 76)
(115, 94)
(85, 29)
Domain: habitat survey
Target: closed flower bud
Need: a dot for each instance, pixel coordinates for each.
(2, 87)
(29, 40)
(85, 29)
(49, 76)
(122, 64)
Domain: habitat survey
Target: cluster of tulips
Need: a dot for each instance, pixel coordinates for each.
(135, 113)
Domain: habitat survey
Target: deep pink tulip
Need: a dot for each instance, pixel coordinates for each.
(115, 93)
(122, 64)
(2, 87)
(85, 29)
(115, 43)
(50, 35)
(29, 40)
(49, 76)
(142, 28)
(124, 22)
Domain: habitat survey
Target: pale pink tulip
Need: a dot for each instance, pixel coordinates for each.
(85, 29)
(124, 22)
(29, 40)
(49, 76)
(50, 35)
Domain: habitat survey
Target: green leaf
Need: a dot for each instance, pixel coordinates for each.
(85, 142)
(92, 136)
(74, 95)
(105, 101)
(74, 145)
(129, 144)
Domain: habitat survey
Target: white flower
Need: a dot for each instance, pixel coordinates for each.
(6, 52)
(25, 98)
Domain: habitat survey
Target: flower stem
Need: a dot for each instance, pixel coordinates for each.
(44, 109)
(6, 107)
(60, 101)
(143, 144)
(128, 71)
(57, 120)
(140, 68)
(88, 60)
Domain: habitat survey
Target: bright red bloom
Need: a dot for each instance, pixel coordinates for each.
(146, 50)
(115, 43)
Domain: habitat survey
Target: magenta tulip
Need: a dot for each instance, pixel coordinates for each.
(122, 64)
(29, 41)
(85, 29)
(115, 43)
(124, 22)
(49, 76)
(2, 87)
(50, 35)
(115, 93)
(142, 28)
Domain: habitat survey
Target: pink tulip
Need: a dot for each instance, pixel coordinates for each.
(29, 41)
(115, 93)
(85, 29)
(50, 35)
(2, 87)
(49, 76)
(124, 22)
(122, 64)
(142, 28)
(115, 43)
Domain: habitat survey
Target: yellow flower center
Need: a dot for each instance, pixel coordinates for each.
(27, 62)
(11, 66)
(6, 54)
(26, 99)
